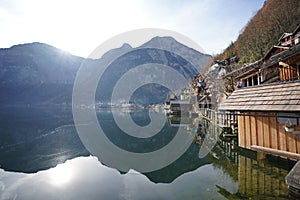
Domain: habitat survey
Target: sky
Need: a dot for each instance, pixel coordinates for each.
(79, 26)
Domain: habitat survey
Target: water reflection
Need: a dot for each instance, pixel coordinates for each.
(261, 179)
(59, 142)
(61, 174)
(88, 179)
(57, 166)
(34, 139)
(257, 179)
(91, 180)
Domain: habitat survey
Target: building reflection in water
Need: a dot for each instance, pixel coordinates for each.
(255, 178)
(242, 175)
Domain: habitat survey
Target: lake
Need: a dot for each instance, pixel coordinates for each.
(43, 157)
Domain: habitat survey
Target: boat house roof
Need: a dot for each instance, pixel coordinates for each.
(272, 97)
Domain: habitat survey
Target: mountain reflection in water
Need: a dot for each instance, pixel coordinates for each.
(42, 157)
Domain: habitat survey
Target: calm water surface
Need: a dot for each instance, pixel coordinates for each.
(42, 157)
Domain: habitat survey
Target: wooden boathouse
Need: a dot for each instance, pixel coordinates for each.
(262, 112)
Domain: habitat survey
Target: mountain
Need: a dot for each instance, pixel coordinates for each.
(45, 63)
(151, 53)
(35, 73)
(110, 55)
(38, 73)
(197, 58)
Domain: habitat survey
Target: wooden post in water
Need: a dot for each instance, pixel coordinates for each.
(260, 155)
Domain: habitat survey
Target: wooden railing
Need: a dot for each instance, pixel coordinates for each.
(222, 119)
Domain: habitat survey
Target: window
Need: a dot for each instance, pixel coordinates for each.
(250, 81)
(284, 117)
(255, 79)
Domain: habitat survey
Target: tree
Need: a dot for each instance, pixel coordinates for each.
(264, 29)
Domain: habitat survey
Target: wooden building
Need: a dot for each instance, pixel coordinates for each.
(296, 35)
(248, 75)
(180, 107)
(282, 66)
(263, 110)
(286, 39)
(280, 63)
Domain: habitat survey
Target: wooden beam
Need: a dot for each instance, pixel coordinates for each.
(248, 131)
(276, 152)
(241, 131)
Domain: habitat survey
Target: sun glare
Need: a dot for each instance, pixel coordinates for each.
(60, 175)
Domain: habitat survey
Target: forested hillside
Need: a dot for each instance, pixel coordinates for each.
(263, 30)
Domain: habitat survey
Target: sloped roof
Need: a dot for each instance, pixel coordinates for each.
(284, 35)
(273, 97)
(292, 51)
(272, 50)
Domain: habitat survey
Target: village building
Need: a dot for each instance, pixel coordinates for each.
(280, 63)
(268, 103)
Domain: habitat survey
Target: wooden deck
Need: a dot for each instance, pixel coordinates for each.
(275, 152)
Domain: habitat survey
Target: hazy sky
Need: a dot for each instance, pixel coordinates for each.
(79, 26)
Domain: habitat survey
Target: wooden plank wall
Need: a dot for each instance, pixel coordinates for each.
(288, 73)
(266, 132)
(256, 179)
